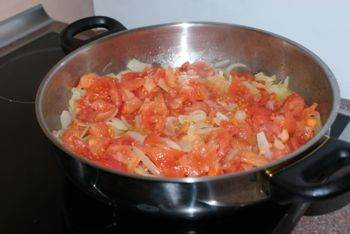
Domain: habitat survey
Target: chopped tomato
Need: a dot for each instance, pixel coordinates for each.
(258, 116)
(130, 102)
(86, 81)
(71, 139)
(163, 156)
(294, 105)
(132, 85)
(202, 69)
(98, 145)
(100, 129)
(189, 121)
(240, 94)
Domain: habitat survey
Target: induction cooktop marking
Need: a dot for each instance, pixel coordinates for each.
(15, 101)
(22, 74)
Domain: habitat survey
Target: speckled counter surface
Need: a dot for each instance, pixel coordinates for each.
(335, 222)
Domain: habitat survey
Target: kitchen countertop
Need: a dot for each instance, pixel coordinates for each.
(335, 222)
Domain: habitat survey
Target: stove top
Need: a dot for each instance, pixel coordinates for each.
(35, 196)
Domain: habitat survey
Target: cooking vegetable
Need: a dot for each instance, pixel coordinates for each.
(198, 119)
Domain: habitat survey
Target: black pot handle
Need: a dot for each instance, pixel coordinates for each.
(320, 176)
(70, 43)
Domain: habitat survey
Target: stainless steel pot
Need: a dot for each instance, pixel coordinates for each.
(302, 175)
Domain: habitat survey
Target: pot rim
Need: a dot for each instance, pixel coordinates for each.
(59, 65)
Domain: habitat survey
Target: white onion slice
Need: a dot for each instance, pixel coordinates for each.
(222, 63)
(146, 161)
(284, 135)
(172, 144)
(66, 119)
(240, 115)
(263, 145)
(125, 122)
(230, 155)
(205, 131)
(136, 65)
(220, 117)
(278, 144)
(195, 116)
(136, 136)
(235, 65)
(118, 124)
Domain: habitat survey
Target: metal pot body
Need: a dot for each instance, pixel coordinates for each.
(173, 44)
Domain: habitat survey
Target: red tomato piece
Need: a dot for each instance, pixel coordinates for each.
(86, 81)
(71, 139)
(202, 69)
(98, 145)
(294, 105)
(100, 129)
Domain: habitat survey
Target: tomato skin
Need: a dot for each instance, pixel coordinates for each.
(71, 139)
(258, 117)
(153, 114)
(290, 123)
(161, 155)
(98, 145)
(221, 141)
(194, 91)
(130, 102)
(240, 94)
(100, 102)
(132, 85)
(100, 129)
(153, 139)
(86, 81)
(294, 105)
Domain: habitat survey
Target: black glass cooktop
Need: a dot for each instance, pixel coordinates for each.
(36, 198)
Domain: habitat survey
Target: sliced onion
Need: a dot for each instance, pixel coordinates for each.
(205, 131)
(66, 119)
(170, 126)
(269, 105)
(161, 83)
(136, 136)
(230, 155)
(284, 135)
(240, 115)
(253, 90)
(146, 161)
(229, 106)
(138, 121)
(197, 126)
(77, 93)
(125, 122)
(235, 65)
(220, 117)
(195, 116)
(136, 65)
(222, 63)
(142, 171)
(187, 141)
(278, 144)
(118, 124)
(263, 145)
(57, 134)
(172, 144)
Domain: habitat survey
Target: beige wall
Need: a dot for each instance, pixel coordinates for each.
(60, 10)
